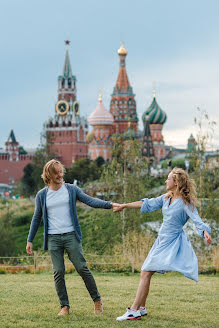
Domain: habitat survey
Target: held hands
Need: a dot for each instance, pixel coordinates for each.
(118, 207)
(207, 237)
(29, 248)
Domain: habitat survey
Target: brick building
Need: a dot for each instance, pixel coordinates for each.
(67, 130)
(123, 105)
(12, 163)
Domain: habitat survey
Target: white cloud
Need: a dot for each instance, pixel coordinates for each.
(181, 87)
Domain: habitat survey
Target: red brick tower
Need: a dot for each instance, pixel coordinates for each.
(11, 147)
(12, 162)
(67, 130)
(100, 141)
(123, 105)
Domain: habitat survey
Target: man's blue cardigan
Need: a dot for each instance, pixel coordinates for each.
(75, 194)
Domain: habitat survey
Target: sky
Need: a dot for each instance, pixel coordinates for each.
(172, 44)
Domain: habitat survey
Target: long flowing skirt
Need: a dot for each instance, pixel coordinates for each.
(172, 252)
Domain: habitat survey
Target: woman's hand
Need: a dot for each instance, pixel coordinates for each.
(207, 237)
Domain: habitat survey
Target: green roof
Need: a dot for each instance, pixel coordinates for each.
(12, 137)
(156, 114)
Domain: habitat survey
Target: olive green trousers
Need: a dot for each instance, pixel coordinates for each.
(57, 245)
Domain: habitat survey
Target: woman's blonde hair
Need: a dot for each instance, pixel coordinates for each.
(185, 186)
(50, 169)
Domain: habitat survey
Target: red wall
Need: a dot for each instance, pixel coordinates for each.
(66, 147)
(12, 170)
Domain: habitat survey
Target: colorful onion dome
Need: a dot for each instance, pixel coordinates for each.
(100, 116)
(156, 114)
(122, 50)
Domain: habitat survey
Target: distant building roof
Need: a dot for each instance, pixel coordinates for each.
(156, 114)
(100, 116)
(11, 137)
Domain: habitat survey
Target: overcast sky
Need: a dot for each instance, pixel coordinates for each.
(170, 42)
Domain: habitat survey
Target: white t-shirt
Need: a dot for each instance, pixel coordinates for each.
(59, 218)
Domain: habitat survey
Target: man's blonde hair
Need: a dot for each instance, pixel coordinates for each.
(50, 169)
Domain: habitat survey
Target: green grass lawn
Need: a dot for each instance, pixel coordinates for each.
(28, 300)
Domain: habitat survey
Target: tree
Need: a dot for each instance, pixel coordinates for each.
(207, 180)
(99, 161)
(7, 241)
(175, 162)
(126, 176)
(28, 184)
(22, 151)
(83, 170)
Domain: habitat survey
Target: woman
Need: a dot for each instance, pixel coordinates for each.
(172, 250)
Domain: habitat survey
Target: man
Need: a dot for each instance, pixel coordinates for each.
(57, 204)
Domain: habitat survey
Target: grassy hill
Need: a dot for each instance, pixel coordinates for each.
(101, 229)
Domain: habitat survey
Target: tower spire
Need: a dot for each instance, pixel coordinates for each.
(154, 90)
(67, 71)
(67, 81)
(122, 80)
(100, 97)
(147, 144)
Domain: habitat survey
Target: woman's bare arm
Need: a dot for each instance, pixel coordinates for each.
(120, 207)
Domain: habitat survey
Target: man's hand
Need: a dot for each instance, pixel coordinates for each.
(118, 207)
(207, 237)
(29, 248)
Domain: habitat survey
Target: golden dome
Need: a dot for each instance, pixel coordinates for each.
(90, 136)
(122, 50)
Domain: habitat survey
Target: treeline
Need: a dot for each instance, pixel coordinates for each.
(125, 179)
(83, 170)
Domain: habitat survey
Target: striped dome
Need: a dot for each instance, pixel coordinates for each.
(100, 116)
(156, 114)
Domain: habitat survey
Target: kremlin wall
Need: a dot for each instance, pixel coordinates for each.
(68, 132)
(11, 162)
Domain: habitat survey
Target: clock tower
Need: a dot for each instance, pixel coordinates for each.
(67, 130)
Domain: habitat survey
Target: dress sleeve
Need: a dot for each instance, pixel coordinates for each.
(153, 204)
(194, 216)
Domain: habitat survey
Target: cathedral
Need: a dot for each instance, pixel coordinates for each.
(68, 133)
(67, 130)
(122, 118)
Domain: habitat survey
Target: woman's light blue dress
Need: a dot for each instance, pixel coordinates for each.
(172, 250)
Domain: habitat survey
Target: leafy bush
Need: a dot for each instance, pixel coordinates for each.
(7, 243)
(22, 219)
(177, 162)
